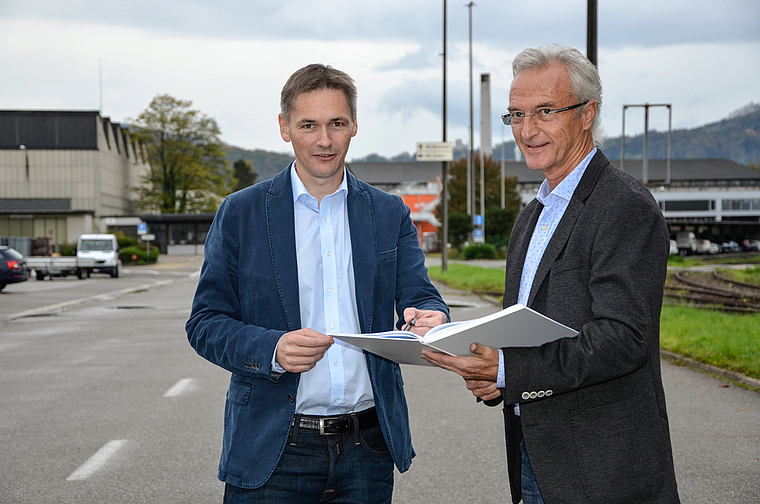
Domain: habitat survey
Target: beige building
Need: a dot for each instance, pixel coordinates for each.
(64, 173)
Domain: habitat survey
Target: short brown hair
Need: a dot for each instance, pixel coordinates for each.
(315, 77)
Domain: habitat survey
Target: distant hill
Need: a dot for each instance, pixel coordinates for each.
(265, 164)
(736, 138)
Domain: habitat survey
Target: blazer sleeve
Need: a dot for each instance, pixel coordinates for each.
(219, 328)
(608, 284)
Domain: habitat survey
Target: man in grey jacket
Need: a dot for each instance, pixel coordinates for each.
(585, 417)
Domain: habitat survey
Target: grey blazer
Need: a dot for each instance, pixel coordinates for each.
(596, 428)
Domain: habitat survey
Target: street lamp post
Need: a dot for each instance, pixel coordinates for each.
(645, 157)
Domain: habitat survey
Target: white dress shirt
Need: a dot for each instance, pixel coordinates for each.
(339, 383)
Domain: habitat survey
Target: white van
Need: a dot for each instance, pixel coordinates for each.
(103, 249)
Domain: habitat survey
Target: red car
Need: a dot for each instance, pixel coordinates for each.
(12, 267)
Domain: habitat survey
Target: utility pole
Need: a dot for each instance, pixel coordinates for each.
(591, 30)
(444, 167)
(470, 167)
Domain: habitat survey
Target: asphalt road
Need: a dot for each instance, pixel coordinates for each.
(105, 401)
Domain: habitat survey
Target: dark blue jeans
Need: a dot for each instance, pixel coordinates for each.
(344, 468)
(530, 492)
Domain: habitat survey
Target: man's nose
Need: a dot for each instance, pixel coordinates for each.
(325, 139)
(529, 126)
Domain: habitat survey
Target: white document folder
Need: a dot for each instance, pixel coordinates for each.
(510, 327)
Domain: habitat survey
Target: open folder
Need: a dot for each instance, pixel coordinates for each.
(510, 327)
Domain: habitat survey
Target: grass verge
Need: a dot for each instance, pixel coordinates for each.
(470, 278)
(725, 340)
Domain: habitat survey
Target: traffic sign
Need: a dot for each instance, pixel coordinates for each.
(435, 151)
(478, 236)
(142, 228)
(148, 237)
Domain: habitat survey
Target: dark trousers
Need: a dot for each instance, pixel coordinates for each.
(349, 468)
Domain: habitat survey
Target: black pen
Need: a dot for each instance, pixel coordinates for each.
(409, 324)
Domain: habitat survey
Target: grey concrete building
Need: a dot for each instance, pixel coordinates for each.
(64, 173)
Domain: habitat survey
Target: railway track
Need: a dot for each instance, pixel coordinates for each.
(713, 291)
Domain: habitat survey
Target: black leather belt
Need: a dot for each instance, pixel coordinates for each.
(342, 424)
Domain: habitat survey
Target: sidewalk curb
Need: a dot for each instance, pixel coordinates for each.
(722, 373)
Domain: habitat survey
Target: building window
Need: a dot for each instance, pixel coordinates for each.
(688, 205)
(741, 204)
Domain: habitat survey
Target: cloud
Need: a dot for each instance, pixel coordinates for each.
(231, 58)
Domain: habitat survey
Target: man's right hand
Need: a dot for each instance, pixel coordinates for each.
(300, 350)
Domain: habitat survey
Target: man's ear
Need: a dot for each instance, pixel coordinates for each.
(284, 131)
(355, 128)
(589, 112)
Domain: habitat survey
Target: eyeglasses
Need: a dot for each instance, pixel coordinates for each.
(540, 116)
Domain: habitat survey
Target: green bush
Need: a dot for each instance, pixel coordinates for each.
(68, 250)
(480, 251)
(137, 254)
(124, 240)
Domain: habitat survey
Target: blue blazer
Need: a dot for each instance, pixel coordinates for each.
(247, 297)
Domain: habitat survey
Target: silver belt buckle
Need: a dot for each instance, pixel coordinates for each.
(322, 427)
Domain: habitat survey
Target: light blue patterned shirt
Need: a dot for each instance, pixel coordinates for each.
(339, 383)
(555, 203)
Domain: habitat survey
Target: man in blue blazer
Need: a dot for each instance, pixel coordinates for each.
(313, 251)
(585, 417)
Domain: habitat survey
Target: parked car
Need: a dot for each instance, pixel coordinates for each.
(103, 249)
(707, 247)
(673, 247)
(12, 267)
(750, 245)
(687, 243)
(729, 246)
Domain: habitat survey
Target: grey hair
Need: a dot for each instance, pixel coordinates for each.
(584, 76)
(313, 78)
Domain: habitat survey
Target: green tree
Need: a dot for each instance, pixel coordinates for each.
(498, 222)
(243, 174)
(460, 226)
(189, 172)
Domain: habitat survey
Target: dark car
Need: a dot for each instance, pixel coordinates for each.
(12, 267)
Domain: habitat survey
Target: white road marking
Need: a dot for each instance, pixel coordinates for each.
(97, 461)
(180, 387)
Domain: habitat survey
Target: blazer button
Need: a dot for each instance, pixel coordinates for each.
(541, 393)
(549, 392)
(533, 395)
(291, 398)
(526, 395)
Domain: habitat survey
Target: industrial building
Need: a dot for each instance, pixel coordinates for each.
(65, 173)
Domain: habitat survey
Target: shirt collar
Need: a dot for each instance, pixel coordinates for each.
(567, 187)
(300, 190)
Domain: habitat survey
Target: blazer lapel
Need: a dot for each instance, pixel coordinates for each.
(567, 224)
(361, 220)
(282, 245)
(518, 245)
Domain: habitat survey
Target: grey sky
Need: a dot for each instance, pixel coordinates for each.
(232, 57)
